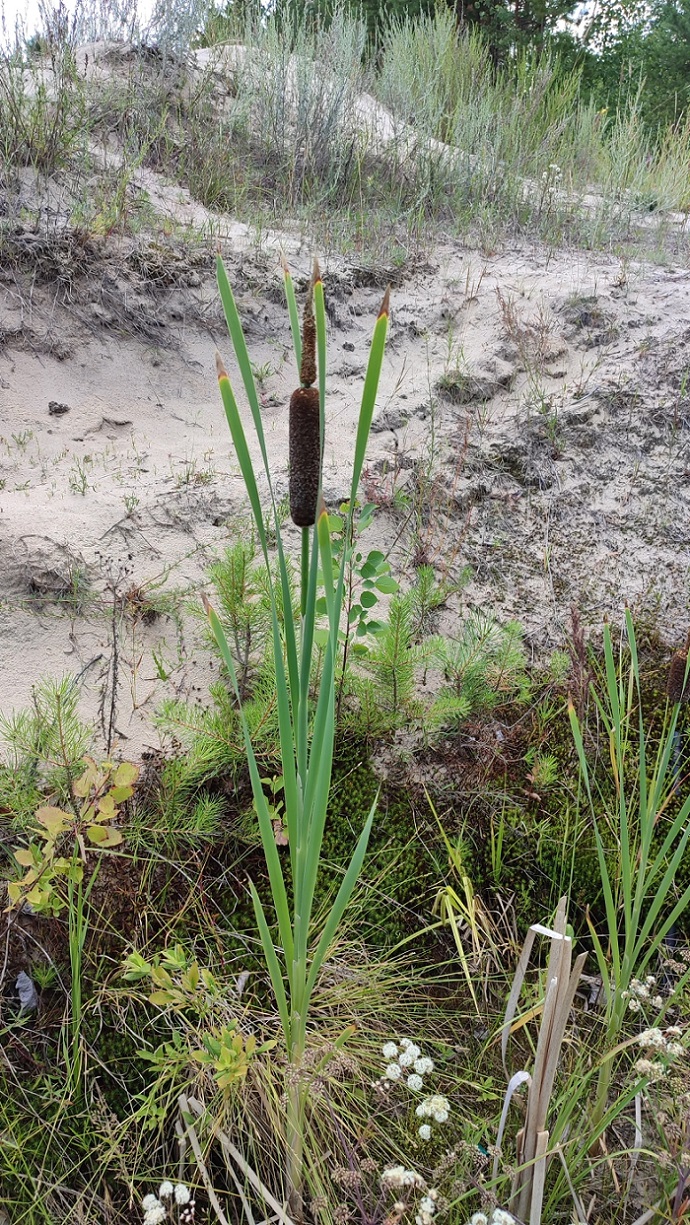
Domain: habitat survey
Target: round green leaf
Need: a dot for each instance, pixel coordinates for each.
(387, 584)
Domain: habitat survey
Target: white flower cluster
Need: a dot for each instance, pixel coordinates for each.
(664, 1042)
(407, 1063)
(156, 1206)
(553, 175)
(436, 1107)
(427, 1208)
(642, 991)
(498, 1217)
(397, 1177)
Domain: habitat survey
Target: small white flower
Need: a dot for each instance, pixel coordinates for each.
(441, 1116)
(415, 1082)
(393, 1071)
(424, 1132)
(424, 1065)
(390, 1050)
(657, 1002)
(426, 1204)
(414, 1051)
(182, 1194)
(479, 1218)
(654, 1038)
(674, 1049)
(398, 1176)
(499, 1217)
(149, 1202)
(405, 1042)
(634, 1005)
(645, 1067)
(155, 1216)
(406, 1059)
(165, 1190)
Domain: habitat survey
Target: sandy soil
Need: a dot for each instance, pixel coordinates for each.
(533, 430)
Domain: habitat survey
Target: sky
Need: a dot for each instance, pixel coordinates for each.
(28, 12)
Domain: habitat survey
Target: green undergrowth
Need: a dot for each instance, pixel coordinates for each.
(494, 800)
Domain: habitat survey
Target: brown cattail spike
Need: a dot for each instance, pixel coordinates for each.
(305, 455)
(307, 370)
(677, 687)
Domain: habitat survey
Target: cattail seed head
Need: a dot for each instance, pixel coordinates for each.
(677, 687)
(305, 455)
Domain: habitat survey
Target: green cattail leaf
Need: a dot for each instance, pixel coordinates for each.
(239, 344)
(342, 898)
(275, 871)
(272, 963)
(320, 321)
(292, 311)
(371, 383)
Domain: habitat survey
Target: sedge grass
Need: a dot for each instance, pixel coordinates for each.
(650, 837)
(306, 728)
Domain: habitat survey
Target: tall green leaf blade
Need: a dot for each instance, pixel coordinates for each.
(371, 384)
(320, 321)
(272, 962)
(239, 441)
(342, 898)
(275, 871)
(292, 311)
(239, 344)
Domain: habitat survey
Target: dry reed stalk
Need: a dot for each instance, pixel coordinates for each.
(527, 1191)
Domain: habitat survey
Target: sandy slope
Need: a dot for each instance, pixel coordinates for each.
(533, 426)
(568, 484)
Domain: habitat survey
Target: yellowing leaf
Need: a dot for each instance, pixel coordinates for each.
(163, 998)
(24, 857)
(125, 774)
(97, 834)
(113, 838)
(120, 794)
(54, 820)
(106, 806)
(190, 979)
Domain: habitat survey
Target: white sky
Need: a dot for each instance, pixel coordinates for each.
(28, 11)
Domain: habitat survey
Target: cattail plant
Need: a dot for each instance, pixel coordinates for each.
(296, 952)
